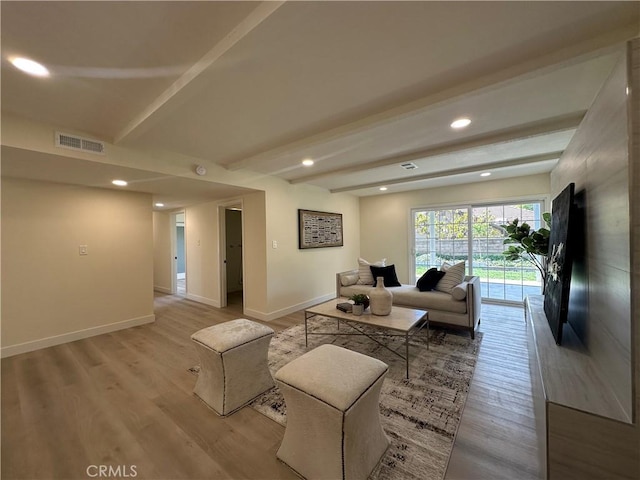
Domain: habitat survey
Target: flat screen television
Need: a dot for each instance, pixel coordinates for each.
(560, 260)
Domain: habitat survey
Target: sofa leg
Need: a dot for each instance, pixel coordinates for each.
(473, 334)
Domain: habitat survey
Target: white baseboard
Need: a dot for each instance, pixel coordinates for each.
(12, 350)
(205, 300)
(162, 289)
(267, 317)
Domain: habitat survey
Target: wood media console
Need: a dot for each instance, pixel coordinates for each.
(583, 431)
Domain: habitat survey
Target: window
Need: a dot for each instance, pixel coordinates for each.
(440, 235)
(474, 233)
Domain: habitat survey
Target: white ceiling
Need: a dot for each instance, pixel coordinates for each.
(360, 87)
(172, 191)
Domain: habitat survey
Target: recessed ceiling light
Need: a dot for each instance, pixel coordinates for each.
(159, 204)
(30, 67)
(485, 174)
(461, 123)
(120, 183)
(307, 162)
(383, 189)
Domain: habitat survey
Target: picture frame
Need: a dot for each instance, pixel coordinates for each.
(319, 229)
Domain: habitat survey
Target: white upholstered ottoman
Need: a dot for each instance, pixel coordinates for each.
(333, 413)
(233, 364)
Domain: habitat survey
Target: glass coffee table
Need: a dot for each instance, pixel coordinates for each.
(401, 322)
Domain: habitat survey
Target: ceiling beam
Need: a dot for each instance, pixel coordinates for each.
(516, 162)
(520, 132)
(142, 121)
(568, 55)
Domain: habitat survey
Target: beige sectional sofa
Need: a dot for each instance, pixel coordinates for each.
(442, 307)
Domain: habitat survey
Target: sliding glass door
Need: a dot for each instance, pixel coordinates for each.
(440, 236)
(474, 234)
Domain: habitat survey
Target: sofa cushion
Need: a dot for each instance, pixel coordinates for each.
(364, 272)
(351, 290)
(429, 279)
(388, 275)
(350, 279)
(453, 276)
(410, 296)
(459, 292)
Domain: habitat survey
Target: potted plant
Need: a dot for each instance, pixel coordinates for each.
(360, 303)
(530, 245)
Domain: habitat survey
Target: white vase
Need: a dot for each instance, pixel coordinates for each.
(380, 299)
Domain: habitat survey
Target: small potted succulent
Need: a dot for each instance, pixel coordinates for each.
(360, 303)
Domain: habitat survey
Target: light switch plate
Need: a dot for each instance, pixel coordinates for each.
(82, 250)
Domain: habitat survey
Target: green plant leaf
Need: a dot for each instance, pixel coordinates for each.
(359, 298)
(530, 244)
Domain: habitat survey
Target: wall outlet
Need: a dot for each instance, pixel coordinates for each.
(274, 244)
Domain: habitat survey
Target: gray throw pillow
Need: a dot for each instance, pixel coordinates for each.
(453, 275)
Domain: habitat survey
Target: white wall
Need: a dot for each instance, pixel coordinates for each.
(299, 278)
(51, 294)
(385, 219)
(202, 247)
(277, 281)
(254, 224)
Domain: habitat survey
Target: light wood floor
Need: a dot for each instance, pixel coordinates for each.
(125, 400)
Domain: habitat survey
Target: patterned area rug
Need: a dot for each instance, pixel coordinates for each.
(420, 415)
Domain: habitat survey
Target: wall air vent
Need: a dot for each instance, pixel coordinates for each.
(409, 166)
(74, 142)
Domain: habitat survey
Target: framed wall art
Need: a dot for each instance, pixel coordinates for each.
(319, 229)
(560, 261)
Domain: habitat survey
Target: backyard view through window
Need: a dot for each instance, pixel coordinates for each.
(474, 234)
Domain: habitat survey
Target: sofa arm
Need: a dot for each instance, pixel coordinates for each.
(474, 300)
(339, 280)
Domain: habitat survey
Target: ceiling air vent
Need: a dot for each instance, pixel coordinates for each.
(74, 142)
(409, 166)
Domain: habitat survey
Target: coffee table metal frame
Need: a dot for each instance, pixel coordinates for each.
(408, 321)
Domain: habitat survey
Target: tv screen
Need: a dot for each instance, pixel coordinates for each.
(558, 281)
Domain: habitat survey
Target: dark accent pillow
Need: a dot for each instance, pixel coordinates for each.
(429, 279)
(388, 273)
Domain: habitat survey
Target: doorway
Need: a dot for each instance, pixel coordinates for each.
(178, 249)
(232, 266)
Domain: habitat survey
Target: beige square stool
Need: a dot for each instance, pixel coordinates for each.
(333, 413)
(233, 364)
